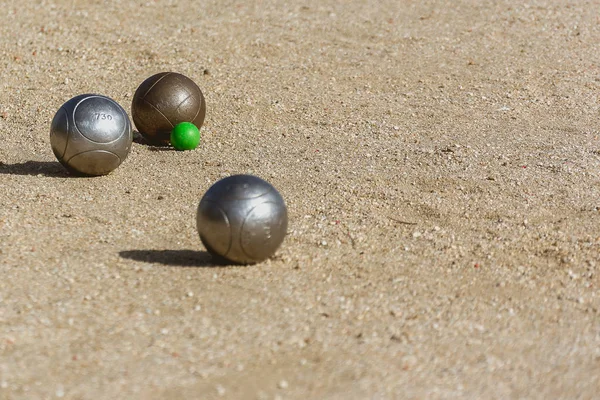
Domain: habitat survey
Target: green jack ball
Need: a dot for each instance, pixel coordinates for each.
(185, 136)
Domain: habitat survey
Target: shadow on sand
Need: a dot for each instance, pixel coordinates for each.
(175, 258)
(46, 168)
(139, 139)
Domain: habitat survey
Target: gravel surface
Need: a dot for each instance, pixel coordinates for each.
(439, 160)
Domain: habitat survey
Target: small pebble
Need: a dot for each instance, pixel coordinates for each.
(283, 384)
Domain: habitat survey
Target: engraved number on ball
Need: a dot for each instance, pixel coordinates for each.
(103, 116)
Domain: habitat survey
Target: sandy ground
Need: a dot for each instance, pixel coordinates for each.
(439, 160)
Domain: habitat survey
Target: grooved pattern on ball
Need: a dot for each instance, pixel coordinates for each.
(257, 218)
(164, 100)
(188, 106)
(237, 187)
(100, 143)
(263, 231)
(99, 119)
(94, 162)
(59, 129)
(214, 227)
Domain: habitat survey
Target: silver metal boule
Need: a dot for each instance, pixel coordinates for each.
(242, 218)
(91, 135)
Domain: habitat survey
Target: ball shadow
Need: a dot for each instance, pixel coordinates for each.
(176, 258)
(46, 168)
(152, 146)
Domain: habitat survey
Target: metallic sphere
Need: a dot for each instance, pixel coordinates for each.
(242, 218)
(91, 135)
(164, 100)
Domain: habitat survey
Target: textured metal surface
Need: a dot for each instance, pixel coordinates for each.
(242, 218)
(91, 134)
(164, 100)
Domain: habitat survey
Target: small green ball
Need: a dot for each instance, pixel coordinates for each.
(185, 136)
